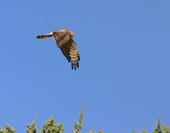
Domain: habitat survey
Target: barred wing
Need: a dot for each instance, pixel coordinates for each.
(69, 50)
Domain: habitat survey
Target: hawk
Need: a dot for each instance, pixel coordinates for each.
(64, 40)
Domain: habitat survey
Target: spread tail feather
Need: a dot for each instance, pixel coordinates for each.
(45, 36)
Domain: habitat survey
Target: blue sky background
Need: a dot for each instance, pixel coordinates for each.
(124, 74)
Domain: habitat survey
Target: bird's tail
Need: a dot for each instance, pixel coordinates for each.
(45, 36)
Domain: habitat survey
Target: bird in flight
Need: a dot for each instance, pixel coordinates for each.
(64, 40)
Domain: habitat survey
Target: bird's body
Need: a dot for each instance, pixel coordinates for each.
(66, 43)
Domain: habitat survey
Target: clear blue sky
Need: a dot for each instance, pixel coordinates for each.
(124, 74)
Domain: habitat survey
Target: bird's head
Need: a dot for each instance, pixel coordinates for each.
(71, 34)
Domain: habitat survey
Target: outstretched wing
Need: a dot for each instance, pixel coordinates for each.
(68, 48)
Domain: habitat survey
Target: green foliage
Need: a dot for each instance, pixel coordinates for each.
(143, 131)
(101, 131)
(166, 129)
(50, 127)
(78, 125)
(158, 129)
(8, 129)
(32, 128)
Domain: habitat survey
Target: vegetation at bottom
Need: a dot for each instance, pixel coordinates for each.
(50, 127)
(158, 129)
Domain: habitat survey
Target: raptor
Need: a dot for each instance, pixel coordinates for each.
(64, 40)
